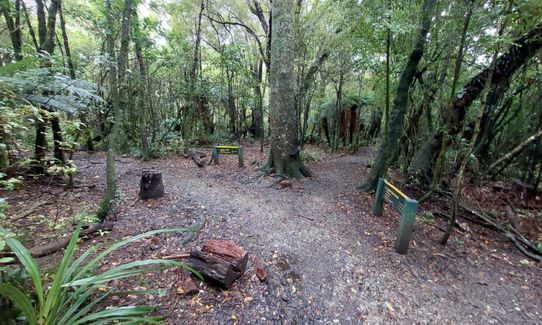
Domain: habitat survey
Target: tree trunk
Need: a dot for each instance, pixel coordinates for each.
(397, 118)
(231, 105)
(464, 160)
(257, 111)
(308, 80)
(115, 102)
(48, 44)
(30, 28)
(40, 145)
(457, 70)
(124, 41)
(388, 57)
(284, 156)
(42, 24)
(143, 89)
(71, 67)
(57, 140)
(13, 26)
(338, 125)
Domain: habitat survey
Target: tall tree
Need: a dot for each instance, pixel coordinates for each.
(397, 115)
(284, 156)
(457, 70)
(115, 103)
(46, 32)
(143, 87)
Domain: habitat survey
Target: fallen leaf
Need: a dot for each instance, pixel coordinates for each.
(390, 307)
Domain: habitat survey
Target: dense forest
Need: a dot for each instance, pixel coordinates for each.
(442, 98)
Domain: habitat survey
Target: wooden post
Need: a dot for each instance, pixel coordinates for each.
(215, 155)
(406, 225)
(240, 155)
(379, 200)
(151, 185)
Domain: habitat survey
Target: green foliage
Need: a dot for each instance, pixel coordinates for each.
(78, 287)
(10, 183)
(67, 95)
(428, 216)
(10, 69)
(66, 170)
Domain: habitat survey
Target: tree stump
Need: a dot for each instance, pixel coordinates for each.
(151, 185)
(220, 262)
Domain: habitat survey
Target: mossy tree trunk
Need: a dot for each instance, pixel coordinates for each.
(394, 130)
(284, 156)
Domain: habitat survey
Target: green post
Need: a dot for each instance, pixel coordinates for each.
(379, 200)
(215, 155)
(240, 154)
(406, 225)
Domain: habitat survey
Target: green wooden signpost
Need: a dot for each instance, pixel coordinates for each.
(228, 150)
(404, 205)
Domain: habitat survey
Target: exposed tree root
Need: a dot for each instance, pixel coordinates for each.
(290, 166)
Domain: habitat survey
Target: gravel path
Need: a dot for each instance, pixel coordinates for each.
(329, 259)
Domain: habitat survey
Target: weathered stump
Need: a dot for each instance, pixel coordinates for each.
(220, 262)
(151, 185)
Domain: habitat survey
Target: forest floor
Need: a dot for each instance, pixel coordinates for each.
(329, 260)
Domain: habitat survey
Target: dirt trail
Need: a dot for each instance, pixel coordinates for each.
(329, 260)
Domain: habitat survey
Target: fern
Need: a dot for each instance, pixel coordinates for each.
(67, 95)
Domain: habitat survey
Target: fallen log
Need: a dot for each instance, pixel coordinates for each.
(228, 251)
(220, 262)
(213, 269)
(60, 243)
